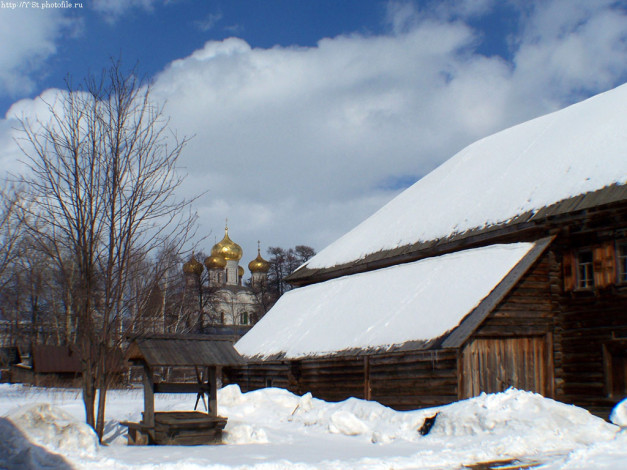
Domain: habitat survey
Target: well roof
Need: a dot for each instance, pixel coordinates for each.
(180, 350)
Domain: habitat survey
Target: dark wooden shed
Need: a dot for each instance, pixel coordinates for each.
(207, 355)
(9, 356)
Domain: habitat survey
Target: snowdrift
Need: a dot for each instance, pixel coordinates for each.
(273, 428)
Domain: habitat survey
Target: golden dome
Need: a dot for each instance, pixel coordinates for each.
(192, 267)
(215, 262)
(240, 271)
(259, 265)
(227, 249)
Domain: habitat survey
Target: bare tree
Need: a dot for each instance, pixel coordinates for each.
(102, 171)
(10, 227)
(284, 262)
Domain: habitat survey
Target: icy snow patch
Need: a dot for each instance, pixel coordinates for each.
(245, 434)
(55, 429)
(345, 422)
(619, 414)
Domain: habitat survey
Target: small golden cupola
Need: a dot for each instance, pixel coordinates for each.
(227, 248)
(193, 267)
(259, 265)
(215, 262)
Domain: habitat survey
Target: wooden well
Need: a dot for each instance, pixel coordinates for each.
(207, 355)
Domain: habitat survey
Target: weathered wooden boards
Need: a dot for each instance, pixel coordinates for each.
(177, 428)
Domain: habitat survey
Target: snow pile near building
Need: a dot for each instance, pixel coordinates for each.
(519, 423)
(513, 423)
(579, 149)
(619, 414)
(275, 429)
(396, 304)
(55, 429)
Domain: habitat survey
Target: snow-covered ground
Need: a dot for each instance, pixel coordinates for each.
(272, 429)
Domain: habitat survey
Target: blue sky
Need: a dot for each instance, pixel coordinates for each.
(155, 33)
(309, 115)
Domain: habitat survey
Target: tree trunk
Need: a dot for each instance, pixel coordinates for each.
(89, 398)
(102, 401)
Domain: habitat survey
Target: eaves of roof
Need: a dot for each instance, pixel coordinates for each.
(524, 227)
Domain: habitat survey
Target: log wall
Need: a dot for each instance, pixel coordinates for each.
(401, 380)
(588, 324)
(416, 379)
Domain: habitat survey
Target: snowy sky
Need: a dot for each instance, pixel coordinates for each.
(309, 116)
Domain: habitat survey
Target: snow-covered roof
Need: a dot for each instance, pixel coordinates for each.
(573, 151)
(382, 308)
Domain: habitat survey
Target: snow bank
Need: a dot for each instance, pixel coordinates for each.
(55, 429)
(275, 429)
(619, 414)
(535, 164)
(514, 423)
(383, 307)
(523, 421)
(18, 453)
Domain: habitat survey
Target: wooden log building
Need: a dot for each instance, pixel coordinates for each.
(552, 320)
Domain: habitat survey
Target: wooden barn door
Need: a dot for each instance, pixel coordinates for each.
(494, 364)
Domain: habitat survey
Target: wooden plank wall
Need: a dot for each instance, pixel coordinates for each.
(332, 379)
(528, 308)
(255, 376)
(587, 321)
(413, 380)
(402, 380)
(523, 317)
(499, 363)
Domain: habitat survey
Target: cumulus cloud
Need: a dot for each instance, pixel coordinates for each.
(28, 38)
(296, 145)
(571, 47)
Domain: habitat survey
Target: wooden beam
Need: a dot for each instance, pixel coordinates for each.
(174, 387)
(213, 390)
(149, 397)
(367, 387)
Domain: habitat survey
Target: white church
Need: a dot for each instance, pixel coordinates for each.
(228, 301)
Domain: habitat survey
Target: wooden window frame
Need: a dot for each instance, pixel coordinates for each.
(587, 282)
(599, 271)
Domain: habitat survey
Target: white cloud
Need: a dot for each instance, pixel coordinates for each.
(572, 46)
(208, 22)
(113, 9)
(298, 145)
(28, 37)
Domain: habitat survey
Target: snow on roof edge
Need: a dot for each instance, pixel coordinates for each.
(381, 309)
(524, 168)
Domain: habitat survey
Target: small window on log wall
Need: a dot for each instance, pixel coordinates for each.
(591, 267)
(585, 270)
